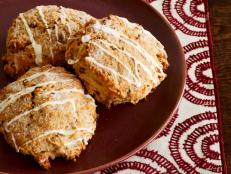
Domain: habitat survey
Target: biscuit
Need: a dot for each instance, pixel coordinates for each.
(117, 60)
(39, 36)
(46, 114)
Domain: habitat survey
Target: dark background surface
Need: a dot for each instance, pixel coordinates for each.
(220, 15)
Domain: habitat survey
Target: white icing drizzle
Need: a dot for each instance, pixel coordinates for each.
(40, 11)
(74, 142)
(74, 109)
(90, 97)
(49, 132)
(136, 77)
(55, 102)
(83, 17)
(98, 27)
(149, 71)
(57, 32)
(129, 24)
(31, 77)
(13, 97)
(122, 37)
(153, 63)
(86, 130)
(91, 59)
(61, 132)
(85, 38)
(37, 47)
(49, 103)
(72, 62)
(47, 73)
(67, 90)
(136, 81)
(64, 18)
(145, 32)
(14, 143)
(62, 15)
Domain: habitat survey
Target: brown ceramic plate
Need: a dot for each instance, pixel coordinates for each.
(123, 129)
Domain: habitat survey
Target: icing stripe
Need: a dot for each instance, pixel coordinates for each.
(57, 32)
(37, 47)
(40, 11)
(122, 37)
(149, 71)
(61, 132)
(90, 59)
(47, 73)
(64, 18)
(74, 142)
(137, 83)
(49, 103)
(69, 90)
(14, 143)
(13, 97)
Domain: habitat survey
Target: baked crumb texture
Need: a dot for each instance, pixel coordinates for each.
(117, 60)
(46, 114)
(38, 37)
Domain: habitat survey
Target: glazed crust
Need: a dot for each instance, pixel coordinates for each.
(46, 114)
(117, 60)
(38, 37)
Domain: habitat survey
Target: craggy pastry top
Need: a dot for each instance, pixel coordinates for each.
(46, 114)
(128, 59)
(38, 37)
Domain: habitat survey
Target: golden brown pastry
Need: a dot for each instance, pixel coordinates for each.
(38, 37)
(117, 60)
(46, 114)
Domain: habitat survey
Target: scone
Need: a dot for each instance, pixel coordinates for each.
(39, 36)
(117, 60)
(46, 114)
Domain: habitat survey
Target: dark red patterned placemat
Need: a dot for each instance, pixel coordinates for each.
(192, 141)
